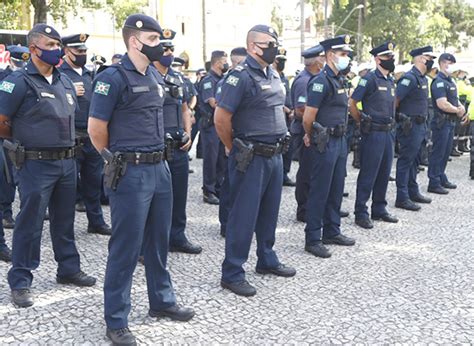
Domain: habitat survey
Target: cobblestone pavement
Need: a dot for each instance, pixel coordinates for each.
(406, 283)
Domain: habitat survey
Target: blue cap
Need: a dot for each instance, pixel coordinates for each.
(239, 51)
(178, 61)
(19, 53)
(76, 41)
(313, 52)
(427, 50)
(337, 43)
(117, 56)
(167, 37)
(384, 49)
(447, 57)
(142, 22)
(46, 30)
(266, 30)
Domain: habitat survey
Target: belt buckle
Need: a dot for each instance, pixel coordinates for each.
(137, 158)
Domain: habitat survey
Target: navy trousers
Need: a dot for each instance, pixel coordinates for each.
(213, 161)
(41, 184)
(442, 144)
(255, 202)
(408, 161)
(303, 180)
(179, 168)
(224, 198)
(141, 214)
(7, 189)
(323, 207)
(376, 157)
(89, 168)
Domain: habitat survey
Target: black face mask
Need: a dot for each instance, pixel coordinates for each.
(429, 65)
(269, 54)
(80, 60)
(280, 65)
(225, 68)
(152, 53)
(388, 65)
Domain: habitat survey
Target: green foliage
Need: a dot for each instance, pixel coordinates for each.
(121, 9)
(10, 15)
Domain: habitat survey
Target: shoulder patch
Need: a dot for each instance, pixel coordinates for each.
(318, 87)
(7, 87)
(405, 82)
(440, 85)
(102, 88)
(302, 99)
(207, 85)
(362, 82)
(232, 80)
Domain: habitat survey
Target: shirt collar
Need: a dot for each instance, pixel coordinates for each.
(330, 72)
(416, 71)
(128, 64)
(443, 76)
(381, 75)
(256, 66)
(31, 69)
(214, 74)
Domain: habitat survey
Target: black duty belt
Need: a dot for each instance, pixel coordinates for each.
(50, 154)
(381, 127)
(267, 150)
(136, 158)
(338, 131)
(419, 119)
(452, 117)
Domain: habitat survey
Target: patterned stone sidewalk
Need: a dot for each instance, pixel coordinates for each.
(404, 283)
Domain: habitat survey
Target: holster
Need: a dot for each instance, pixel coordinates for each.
(440, 120)
(114, 168)
(285, 142)
(15, 152)
(365, 123)
(320, 137)
(405, 123)
(244, 154)
(169, 147)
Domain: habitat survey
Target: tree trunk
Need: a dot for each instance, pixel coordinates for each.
(41, 11)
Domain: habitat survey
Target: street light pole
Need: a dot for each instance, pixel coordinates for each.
(359, 36)
(358, 7)
(302, 27)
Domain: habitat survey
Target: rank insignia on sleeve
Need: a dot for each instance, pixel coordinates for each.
(7, 87)
(232, 80)
(318, 87)
(405, 82)
(102, 88)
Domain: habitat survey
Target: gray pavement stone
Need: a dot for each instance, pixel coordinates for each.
(402, 283)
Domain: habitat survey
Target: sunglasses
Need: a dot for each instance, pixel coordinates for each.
(269, 44)
(166, 49)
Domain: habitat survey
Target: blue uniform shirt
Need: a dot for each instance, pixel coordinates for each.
(286, 82)
(207, 90)
(444, 86)
(412, 90)
(248, 86)
(298, 96)
(114, 97)
(84, 101)
(327, 93)
(377, 94)
(4, 73)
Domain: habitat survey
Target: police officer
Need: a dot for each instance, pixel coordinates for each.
(237, 55)
(177, 125)
(126, 126)
(314, 61)
(19, 56)
(37, 106)
(251, 123)
(116, 58)
(447, 110)
(412, 108)
(89, 162)
(376, 90)
(279, 66)
(325, 124)
(213, 158)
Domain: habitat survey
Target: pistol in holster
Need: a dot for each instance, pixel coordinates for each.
(440, 119)
(365, 123)
(16, 152)
(320, 137)
(244, 154)
(285, 143)
(115, 168)
(405, 123)
(169, 147)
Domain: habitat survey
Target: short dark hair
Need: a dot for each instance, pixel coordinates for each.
(217, 55)
(33, 37)
(239, 51)
(127, 33)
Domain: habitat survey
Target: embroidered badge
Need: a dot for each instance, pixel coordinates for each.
(405, 82)
(302, 99)
(207, 85)
(440, 85)
(102, 88)
(363, 82)
(232, 80)
(70, 99)
(318, 87)
(7, 87)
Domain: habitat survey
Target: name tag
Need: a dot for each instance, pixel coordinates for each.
(423, 87)
(383, 88)
(266, 87)
(341, 91)
(51, 96)
(452, 88)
